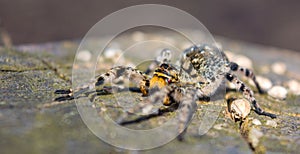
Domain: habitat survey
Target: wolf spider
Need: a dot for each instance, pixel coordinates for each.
(199, 73)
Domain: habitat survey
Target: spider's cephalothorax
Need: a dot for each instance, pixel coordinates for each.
(197, 75)
(205, 65)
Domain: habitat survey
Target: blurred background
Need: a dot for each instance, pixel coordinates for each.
(275, 23)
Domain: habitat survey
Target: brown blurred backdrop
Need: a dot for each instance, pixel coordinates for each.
(273, 22)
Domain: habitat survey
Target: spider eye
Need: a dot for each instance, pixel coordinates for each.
(165, 66)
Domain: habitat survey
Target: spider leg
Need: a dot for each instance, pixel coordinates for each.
(175, 97)
(248, 94)
(178, 96)
(187, 109)
(248, 73)
(164, 57)
(129, 73)
(146, 107)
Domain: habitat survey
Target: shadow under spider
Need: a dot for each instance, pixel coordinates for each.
(160, 112)
(108, 91)
(105, 91)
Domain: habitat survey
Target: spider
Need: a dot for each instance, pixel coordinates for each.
(197, 76)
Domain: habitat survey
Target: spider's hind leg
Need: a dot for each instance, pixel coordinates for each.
(248, 94)
(247, 72)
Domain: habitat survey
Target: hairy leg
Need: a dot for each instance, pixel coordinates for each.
(147, 106)
(118, 72)
(183, 98)
(129, 73)
(187, 109)
(248, 73)
(248, 94)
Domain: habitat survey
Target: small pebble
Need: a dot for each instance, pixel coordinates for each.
(138, 36)
(103, 109)
(84, 55)
(254, 136)
(271, 123)
(264, 83)
(218, 126)
(243, 61)
(239, 59)
(279, 68)
(112, 53)
(265, 69)
(278, 92)
(256, 122)
(294, 87)
(240, 108)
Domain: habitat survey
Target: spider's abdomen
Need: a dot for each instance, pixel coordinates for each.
(163, 75)
(158, 82)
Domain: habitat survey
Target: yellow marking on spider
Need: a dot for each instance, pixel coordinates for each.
(158, 80)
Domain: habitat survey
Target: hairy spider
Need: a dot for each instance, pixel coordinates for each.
(199, 73)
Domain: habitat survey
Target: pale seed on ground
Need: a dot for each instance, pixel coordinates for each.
(271, 123)
(279, 68)
(84, 55)
(138, 36)
(243, 61)
(254, 136)
(294, 87)
(256, 122)
(278, 92)
(264, 83)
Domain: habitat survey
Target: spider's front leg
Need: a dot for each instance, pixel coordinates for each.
(248, 73)
(148, 106)
(129, 73)
(187, 107)
(182, 98)
(248, 94)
